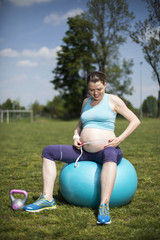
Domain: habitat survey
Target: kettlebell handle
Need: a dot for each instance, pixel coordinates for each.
(18, 191)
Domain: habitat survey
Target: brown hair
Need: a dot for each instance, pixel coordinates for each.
(96, 76)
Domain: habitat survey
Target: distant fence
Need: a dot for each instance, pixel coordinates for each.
(7, 112)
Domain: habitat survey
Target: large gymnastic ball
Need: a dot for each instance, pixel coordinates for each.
(81, 185)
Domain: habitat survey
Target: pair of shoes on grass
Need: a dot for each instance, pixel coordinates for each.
(43, 204)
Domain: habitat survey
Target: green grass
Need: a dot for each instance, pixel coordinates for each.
(21, 144)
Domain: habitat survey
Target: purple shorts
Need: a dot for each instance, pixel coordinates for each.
(69, 154)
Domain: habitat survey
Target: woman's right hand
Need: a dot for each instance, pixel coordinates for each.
(77, 143)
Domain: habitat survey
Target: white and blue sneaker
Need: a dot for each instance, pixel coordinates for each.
(103, 216)
(41, 204)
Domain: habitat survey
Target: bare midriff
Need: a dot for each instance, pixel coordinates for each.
(94, 134)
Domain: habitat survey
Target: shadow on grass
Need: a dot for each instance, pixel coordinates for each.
(60, 200)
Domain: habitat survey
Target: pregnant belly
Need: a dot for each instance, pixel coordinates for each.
(93, 135)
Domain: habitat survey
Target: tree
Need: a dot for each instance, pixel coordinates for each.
(92, 42)
(16, 105)
(110, 21)
(56, 108)
(59, 107)
(118, 80)
(147, 35)
(7, 105)
(149, 107)
(74, 62)
(37, 109)
(11, 105)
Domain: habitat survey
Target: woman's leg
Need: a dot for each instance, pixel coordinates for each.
(49, 176)
(108, 176)
(111, 157)
(64, 153)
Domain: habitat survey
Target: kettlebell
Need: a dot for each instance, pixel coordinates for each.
(18, 204)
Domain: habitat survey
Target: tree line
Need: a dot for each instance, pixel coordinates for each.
(54, 109)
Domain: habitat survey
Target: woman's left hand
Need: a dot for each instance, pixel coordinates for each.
(114, 142)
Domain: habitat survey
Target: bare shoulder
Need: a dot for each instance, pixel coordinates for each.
(83, 104)
(115, 99)
(116, 102)
(85, 101)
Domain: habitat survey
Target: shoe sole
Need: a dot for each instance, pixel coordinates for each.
(99, 223)
(41, 209)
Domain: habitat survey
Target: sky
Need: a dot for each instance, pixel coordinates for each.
(31, 32)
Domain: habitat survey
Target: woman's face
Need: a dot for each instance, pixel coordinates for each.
(96, 90)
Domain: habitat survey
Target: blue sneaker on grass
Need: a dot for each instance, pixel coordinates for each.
(41, 204)
(103, 216)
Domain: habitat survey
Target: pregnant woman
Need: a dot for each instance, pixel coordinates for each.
(94, 140)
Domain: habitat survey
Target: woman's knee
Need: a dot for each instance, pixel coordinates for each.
(48, 153)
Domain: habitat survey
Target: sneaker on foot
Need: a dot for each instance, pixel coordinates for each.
(41, 204)
(103, 216)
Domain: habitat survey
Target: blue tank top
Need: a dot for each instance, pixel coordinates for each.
(100, 116)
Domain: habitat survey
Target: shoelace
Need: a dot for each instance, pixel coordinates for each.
(104, 210)
(94, 142)
(41, 200)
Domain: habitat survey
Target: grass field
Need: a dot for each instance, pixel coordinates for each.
(20, 163)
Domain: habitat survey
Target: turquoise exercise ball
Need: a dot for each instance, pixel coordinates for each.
(81, 185)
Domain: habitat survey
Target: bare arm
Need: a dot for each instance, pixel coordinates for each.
(78, 129)
(76, 141)
(121, 108)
